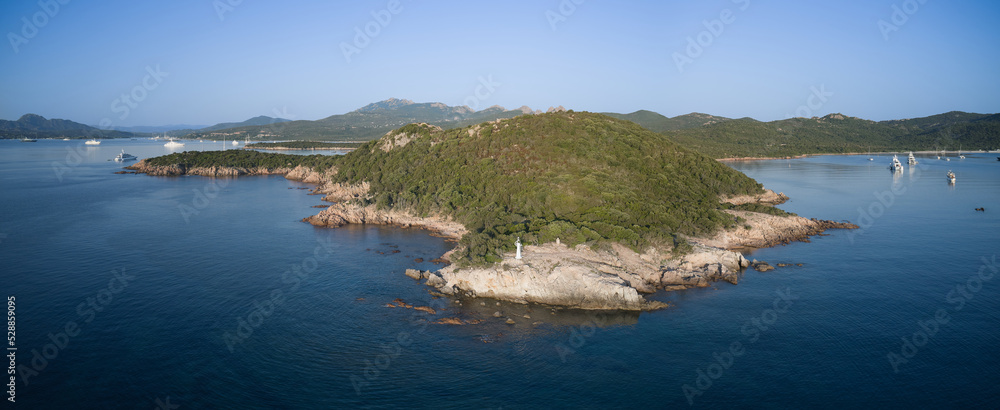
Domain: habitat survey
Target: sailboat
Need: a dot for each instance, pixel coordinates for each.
(896, 166)
(911, 160)
(960, 156)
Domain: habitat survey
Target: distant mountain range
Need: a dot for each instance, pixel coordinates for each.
(366, 123)
(36, 126)
(657, 122)
(716, 136)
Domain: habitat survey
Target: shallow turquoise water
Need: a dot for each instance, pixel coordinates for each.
(207, 255)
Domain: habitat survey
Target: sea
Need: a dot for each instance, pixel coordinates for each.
(132, 291)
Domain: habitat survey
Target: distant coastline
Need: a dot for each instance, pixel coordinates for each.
(737, 159)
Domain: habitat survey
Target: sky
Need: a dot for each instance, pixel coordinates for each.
(157, 62)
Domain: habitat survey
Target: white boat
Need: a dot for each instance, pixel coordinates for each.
(171, 143)
(960, 156)
(122, 157)
(235, 142)
(896, 165)
(28, 140)
(911, 160)
(951, 177)
(65, 139)
(93, 142)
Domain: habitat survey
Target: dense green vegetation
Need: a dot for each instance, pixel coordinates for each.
(238, 158)
(304, 145)
(836, 133)
(579, 177)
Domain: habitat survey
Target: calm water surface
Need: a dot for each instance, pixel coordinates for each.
(197, 321)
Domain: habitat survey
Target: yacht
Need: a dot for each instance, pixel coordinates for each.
(896, 165)
(911, 160)
(951, 177)
(28, 140)
(171, 143)
(93, 142)
(122, 157)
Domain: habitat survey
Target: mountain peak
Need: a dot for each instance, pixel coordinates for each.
(31, 118)
(385, 105)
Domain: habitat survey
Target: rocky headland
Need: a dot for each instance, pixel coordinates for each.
(493, 164)
(611, 277)
(298, 173)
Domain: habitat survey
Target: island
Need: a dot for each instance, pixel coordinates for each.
(606, 210)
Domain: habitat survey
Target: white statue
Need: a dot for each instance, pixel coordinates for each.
(518, 244)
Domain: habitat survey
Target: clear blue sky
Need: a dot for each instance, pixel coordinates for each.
(268, 57)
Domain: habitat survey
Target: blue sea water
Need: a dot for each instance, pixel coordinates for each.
(225, 299)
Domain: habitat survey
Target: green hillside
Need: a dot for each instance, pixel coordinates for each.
(836, 133)
(580, 177)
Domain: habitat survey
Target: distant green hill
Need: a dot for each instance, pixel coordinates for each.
(576, 176)
(837, 133)
(660, 123)
(366, 123)
(261, 120)
(36, 126)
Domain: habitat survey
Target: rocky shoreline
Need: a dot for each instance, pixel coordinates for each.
(612, 277)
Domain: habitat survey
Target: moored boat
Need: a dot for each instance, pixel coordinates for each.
(123, 156)
(951, 177)
(93, 142)
(911, 159)
(895, 165)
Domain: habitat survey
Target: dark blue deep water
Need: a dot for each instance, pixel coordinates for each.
(225, 299)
